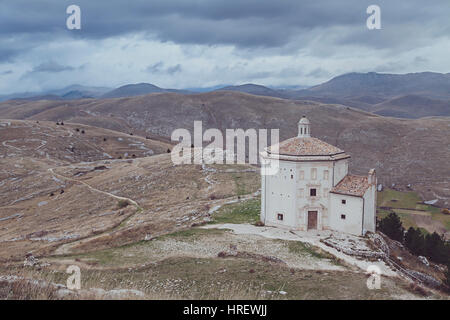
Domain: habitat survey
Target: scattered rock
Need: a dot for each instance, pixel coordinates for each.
(424, 260)
(123, 294)
(65, 294)
(425, 279)
(43, 203)
(100, 168)
(148, 237)
(30, 260)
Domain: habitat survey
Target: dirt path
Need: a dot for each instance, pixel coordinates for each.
(65, 248)
(312, 238)
(95, 189)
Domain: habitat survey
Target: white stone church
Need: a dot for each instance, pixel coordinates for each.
(313, 190)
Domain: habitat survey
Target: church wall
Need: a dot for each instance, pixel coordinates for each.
(263, 194)
(280, 196)
(346, 217)
(370, 208)
(340, 170)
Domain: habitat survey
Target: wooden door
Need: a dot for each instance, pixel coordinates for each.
(312, 220)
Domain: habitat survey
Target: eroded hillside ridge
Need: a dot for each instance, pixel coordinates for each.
(404, 152)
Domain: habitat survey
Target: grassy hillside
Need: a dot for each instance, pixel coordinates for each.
(413, 213)
(402, 151)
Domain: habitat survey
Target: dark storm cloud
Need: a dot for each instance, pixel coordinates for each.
(52, 67)
(159, 67)
(174, 69)
(245, 24)
(6, 72)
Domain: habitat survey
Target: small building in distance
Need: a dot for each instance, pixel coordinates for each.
(312, 189)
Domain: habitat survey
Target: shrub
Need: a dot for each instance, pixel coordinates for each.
(122, 204)
(445, 211)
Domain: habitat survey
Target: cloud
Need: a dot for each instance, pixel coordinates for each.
(6, 72)
(247, 24)
(51, 67)
(159, 68)
(174, 69)
(205, 42)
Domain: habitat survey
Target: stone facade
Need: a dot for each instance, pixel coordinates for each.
(312, 189)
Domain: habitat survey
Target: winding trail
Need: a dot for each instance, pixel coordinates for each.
(95, 189)
(65, 247)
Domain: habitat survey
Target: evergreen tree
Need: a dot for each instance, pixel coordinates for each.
(415, 241)
(392, 227)
(435, 248)
(447, 277)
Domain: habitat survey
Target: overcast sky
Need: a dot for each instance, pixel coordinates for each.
(202, 43)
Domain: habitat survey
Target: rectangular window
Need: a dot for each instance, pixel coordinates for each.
(344, 201)
(312, 192)
(301, 191)
(343, 216)
(325, 175)
(313, 173)
(292, 176)
(280, 217)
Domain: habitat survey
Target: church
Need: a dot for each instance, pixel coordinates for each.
(313, 190)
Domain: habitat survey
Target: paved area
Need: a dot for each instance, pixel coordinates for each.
(311, 237)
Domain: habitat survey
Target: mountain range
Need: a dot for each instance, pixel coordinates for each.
(412, 95)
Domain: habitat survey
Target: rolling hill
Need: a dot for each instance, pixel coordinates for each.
(412, 95)
(255, 89)
(131, 90)
(384, 85)
(403, 151)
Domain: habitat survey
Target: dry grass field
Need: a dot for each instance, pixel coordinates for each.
(130, 221)
(403, 151)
